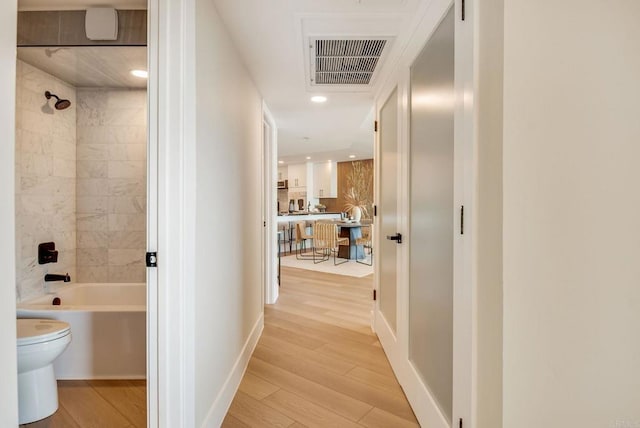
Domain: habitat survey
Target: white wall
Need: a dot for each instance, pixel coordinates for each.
(228, 216)
(571, 234)
(8, 365)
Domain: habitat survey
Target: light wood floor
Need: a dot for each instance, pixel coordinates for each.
(98, 404)
(317, 363)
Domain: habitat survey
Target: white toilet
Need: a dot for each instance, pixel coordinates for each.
(40, 342)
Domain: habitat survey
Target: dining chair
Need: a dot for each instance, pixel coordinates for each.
(366, 241)
(327, 241)
(301, 241)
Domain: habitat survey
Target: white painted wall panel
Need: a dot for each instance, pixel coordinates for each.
(571, 237)
(228, 286)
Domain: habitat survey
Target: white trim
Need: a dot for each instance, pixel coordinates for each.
(464, 272)
(270, 173)
(8, 362)
(176, 128)
(221, 404)
(152, 214)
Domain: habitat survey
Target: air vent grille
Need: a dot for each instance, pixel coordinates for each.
(346, 62)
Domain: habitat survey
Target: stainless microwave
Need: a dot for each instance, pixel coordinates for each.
(283, 184)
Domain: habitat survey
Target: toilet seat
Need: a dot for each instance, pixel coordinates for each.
(33, 331)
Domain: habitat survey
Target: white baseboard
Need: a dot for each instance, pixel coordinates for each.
(221, 404)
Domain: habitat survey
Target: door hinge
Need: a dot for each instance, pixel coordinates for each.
(264, 224)
(375, 126)
(460, 425)
(462, 220)
(463, 13)
(375, 211)
(152, 259)
(374, 295)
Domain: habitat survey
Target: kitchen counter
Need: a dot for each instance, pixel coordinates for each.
(302, 216)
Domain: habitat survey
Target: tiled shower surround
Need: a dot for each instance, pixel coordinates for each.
(45, 179)
(111, 185)
(80, 181)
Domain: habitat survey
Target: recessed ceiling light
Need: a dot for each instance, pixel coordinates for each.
(140, 73)
(352, 156)
(281, 162)
(318, 99)
(308, 157)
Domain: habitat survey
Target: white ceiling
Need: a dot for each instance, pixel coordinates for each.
(272, 37)
(79, 4)
(90, 66)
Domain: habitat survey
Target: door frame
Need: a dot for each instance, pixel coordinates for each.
(153, 290)
(269, 204)
(8, 357)
(464, 335)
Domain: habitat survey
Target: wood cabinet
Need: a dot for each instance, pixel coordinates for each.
(325, 180)
(297, 175)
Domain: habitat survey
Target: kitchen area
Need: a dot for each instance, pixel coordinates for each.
(326, 191)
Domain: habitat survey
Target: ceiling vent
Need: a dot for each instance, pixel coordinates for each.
(346, 61)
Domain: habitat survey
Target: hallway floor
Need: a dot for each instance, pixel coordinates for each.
(317, 363)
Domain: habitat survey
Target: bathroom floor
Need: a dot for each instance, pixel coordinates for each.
(98, 404)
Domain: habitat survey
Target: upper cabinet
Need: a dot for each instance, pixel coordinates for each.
(297, 175)
(282, 173)
(325, 180)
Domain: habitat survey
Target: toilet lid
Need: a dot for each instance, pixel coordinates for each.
(32, 331)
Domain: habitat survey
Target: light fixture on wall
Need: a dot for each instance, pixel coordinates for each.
(143, 74)
(318, 99)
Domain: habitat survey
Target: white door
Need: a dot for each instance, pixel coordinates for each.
(420, 168)
(431, 253)
(385, 314)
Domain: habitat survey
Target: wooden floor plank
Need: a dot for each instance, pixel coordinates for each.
(60, 419)
(257, 387)
(88, 408)
(378, 418)
(339, 403)
(375, 378)
(233, 422)
(336, 365)
(126, 396)
(256, 414)
(306, 412)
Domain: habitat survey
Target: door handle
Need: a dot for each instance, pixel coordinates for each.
(397, 237)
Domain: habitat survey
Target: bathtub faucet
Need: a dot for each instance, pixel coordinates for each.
(55, 277)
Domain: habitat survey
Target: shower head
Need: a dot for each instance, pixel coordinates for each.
(60, 104)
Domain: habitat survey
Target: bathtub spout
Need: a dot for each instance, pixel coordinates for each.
(55, 277)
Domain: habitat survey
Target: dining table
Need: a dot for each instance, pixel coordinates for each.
(353, 231)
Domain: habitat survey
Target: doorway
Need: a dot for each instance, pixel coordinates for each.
(94, 152)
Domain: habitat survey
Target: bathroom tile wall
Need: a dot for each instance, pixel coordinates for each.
(111, 185)
(45, 179)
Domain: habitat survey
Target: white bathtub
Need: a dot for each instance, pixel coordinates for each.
(108, 329)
